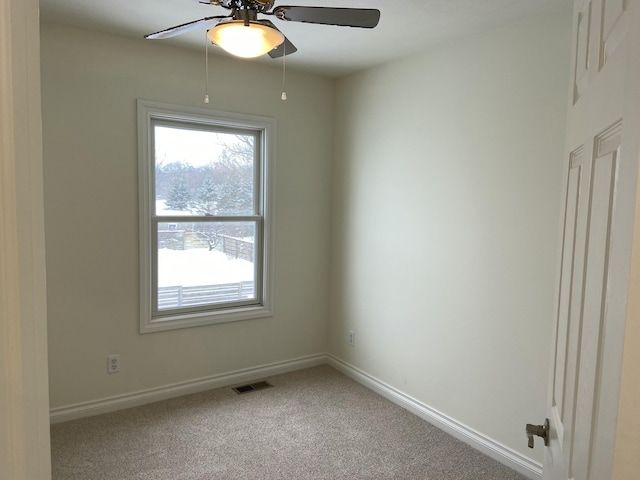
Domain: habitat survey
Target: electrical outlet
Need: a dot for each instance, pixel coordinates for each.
(352, 338)
(113, 363)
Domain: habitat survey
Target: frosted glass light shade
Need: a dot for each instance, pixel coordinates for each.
(245, 41)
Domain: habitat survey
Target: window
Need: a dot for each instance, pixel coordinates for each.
(205, 223)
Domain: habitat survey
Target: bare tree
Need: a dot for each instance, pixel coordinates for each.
(210, 232)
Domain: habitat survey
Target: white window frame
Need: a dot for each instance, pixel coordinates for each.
(150, 111)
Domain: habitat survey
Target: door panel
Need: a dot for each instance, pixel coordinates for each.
(568, 325)
(608, 146)
(582, 51)
(593, 314)
(614, 25)
(562, 335)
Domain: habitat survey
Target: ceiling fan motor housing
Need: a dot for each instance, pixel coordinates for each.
(246, 15)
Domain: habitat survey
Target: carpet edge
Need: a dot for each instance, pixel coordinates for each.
(471, 437)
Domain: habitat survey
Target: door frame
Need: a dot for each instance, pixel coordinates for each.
(24, 389)
(626, 461)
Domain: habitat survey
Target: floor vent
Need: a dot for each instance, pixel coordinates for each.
(252, 387)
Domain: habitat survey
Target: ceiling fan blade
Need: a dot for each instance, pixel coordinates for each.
(346, 17)
(285, 48)
(206, 22)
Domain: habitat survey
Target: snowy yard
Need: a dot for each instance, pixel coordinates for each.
(199, 266)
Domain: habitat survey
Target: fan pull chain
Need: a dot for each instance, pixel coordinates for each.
(284, 71)
(206, 67)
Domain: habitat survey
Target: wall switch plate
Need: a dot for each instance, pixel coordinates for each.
(113, 363)
(352, 338)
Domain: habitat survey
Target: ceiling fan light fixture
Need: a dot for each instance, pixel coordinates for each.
(246, 41)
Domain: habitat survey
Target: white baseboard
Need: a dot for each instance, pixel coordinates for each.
(484, 444)
(143, 397)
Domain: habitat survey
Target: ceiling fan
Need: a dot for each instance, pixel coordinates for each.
(241, 33)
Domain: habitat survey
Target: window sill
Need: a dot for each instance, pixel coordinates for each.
(175, 322)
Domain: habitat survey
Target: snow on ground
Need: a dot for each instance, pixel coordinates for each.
(163, 210)
(199, 266)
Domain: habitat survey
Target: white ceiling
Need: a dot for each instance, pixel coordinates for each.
(405, 27)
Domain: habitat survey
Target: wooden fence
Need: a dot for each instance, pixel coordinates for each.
(236, 248)
(179, 296)
(183, 240)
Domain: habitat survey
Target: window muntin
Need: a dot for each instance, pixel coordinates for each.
(205, 224)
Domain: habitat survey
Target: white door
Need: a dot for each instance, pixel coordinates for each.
(600, 193)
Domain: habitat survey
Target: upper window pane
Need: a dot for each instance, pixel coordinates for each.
(199, 172)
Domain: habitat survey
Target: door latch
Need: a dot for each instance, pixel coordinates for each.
(538, 430)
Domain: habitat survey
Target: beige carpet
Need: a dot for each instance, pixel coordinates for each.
(312, 424)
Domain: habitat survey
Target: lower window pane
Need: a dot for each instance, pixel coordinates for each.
(205, 263)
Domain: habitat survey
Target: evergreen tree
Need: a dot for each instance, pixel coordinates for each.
(236, 197)
(206, 199)
(178, 197)
(235, 176)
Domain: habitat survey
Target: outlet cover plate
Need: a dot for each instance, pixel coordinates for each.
(113, 363)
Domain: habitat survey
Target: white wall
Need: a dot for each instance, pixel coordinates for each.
(90, 83)
(447, 179)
